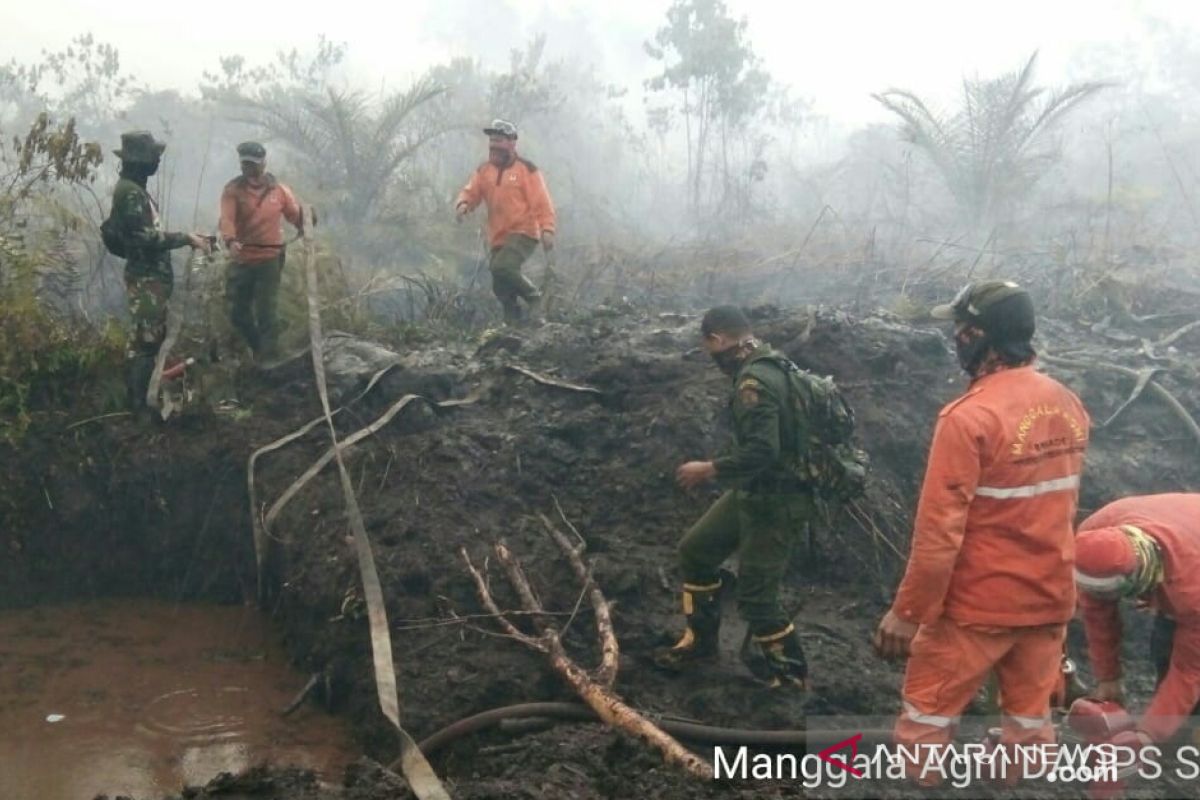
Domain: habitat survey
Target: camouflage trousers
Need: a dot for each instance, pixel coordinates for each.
(147, 295)
(507, 281)
(763, 530)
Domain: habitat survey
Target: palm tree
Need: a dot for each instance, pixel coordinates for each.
(355, 147)
(992, 150)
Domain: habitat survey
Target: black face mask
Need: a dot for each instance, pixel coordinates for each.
(729, 359)
(140, 170)
(971, 349)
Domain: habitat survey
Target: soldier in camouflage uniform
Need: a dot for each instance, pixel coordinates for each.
(759, 517)
(148, 274)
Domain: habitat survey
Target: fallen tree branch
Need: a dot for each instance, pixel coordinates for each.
(302, 695)
(1157, 389)
(1143, 380)
(610, 708)
(606, 674)
(542, 379)
(1172, 338)
(485, 597)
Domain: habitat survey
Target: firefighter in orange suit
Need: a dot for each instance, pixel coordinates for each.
(520, 214)
(1146, 549)
(989, 584)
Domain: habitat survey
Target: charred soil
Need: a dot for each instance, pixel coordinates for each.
(108, 508)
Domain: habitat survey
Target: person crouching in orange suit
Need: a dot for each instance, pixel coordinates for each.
(989, 585)
(1147, 549)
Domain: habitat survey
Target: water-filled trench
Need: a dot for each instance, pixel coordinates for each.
(139, 697)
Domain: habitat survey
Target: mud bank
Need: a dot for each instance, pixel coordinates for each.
(165, 513)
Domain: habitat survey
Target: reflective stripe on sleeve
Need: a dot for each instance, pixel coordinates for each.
(1092, 583)
(1029, 490)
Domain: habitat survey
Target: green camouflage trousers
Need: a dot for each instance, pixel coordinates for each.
(147, 295)
(252, 291)
(507, 281)
(763, 530)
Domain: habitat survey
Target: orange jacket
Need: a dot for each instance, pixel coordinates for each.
(993, 541)
(253, 216)
(517, 200)
(1173, 521)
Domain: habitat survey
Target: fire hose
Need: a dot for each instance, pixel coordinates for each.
(684, 729)
(412, 764)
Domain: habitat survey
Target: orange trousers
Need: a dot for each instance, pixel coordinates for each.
(950, 662)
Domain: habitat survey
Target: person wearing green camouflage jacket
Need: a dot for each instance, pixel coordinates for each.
(149, 277)
(760, 515)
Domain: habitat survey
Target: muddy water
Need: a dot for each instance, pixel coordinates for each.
(140, 697)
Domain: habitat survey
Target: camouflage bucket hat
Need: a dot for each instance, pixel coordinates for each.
(140, 147)
(501, 127)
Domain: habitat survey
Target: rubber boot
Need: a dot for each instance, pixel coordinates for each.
(535, 311)
(699, 642)
(512, 310)
(138, 371)
(777, 659)
(1068, 688)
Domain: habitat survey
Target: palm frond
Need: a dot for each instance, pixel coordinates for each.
(983, 150)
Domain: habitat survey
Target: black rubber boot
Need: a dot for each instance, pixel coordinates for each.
(536, 314)
(138, 371)
(512, 310)
(777, 658)
(699, 643)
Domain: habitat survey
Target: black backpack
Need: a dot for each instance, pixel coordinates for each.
(824, 430)
(110, 234)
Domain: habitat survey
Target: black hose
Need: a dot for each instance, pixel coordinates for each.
(689, 731)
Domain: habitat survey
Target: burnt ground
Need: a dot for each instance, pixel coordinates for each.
(107, 508)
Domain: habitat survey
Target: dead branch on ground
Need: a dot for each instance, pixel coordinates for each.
(544, 381)
(1153, 386)
(594, 688)
(1179, 333)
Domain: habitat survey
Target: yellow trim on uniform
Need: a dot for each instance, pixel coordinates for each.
(775, 637)
(690, 589)
(686, 641)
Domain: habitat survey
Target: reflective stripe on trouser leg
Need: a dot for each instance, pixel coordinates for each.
(1028, 723)
(949, 663)
(935, 720)
(1028, 674)
(775, 637)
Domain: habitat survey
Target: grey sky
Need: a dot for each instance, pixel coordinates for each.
(834, 53)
